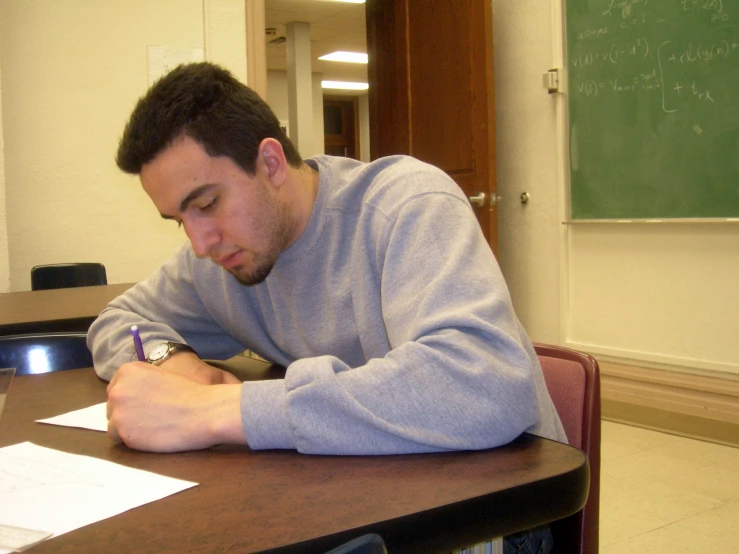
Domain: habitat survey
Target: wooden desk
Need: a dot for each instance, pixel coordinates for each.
(44, 311)
(282, 501)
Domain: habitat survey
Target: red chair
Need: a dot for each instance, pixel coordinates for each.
(573, 380)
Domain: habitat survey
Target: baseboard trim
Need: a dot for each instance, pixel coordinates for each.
(694, 406)
(657, 360)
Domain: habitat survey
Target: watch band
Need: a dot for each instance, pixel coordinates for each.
(166, 350)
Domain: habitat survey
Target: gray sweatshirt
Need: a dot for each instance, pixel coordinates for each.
(389, 312)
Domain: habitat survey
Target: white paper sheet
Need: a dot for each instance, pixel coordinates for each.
(93, 418)
(49, 490)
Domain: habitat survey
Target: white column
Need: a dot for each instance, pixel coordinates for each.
(256, 55)
(299, 86)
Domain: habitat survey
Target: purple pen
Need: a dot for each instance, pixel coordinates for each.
(137, 343)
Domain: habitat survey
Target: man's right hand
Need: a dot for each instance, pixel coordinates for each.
(150, 408)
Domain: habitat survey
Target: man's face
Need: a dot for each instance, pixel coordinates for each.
(233, 218)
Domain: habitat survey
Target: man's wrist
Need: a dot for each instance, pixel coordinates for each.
(224, 419)
(187, 364)
(162, 352)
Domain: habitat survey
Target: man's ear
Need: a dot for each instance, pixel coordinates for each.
(271, 159)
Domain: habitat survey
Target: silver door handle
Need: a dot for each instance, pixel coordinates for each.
(478, 200)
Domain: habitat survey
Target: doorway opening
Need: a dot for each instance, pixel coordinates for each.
(340, 125)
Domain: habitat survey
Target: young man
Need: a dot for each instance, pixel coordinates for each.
(371, 283)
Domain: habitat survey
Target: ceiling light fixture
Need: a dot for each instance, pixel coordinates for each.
(344, 85)
(348, 57)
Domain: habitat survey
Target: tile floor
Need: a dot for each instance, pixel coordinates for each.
(662, 493)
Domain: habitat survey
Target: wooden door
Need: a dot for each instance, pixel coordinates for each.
(340, 136)
(431, 91)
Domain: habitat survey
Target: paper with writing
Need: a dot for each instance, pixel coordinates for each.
(42, 488)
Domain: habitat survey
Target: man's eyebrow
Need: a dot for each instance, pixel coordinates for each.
(194, 194)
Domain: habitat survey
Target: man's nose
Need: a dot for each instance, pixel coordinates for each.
(203, 236)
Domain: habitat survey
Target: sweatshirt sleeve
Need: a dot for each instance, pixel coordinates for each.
(460, 372)
(166, 301)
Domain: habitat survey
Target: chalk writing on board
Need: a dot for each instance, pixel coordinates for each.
(644, 68)
(653, 110)
(714, 7)
(624, 6)
(614, 53)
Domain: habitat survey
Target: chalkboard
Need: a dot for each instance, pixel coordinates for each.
(653, 90)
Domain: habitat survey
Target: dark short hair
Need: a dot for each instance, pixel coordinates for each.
(206, 103)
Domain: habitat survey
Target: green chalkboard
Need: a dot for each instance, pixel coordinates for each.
(653, 94)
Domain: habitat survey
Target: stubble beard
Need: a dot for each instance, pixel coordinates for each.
(277, 223)
(257, 274)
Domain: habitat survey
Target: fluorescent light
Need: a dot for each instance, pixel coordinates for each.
(38, 360)
(344, 85)
(341, 56)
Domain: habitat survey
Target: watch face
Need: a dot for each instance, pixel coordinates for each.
(159, 352)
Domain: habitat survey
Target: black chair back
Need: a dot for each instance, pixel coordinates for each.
(44, 353)
(366, 544)
(61, 276)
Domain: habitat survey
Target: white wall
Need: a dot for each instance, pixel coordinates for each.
(526, 151)
(666, 293)
(4, 259)
(663, 295)
(72, 71)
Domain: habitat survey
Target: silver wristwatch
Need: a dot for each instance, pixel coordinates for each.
(166, 350)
